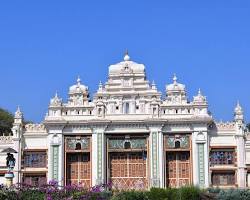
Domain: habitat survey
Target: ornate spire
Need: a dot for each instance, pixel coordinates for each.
(18, 113)
(238, 113)
(56, 101)
(126, 57)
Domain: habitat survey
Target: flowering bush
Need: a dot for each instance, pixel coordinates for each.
(52, 191)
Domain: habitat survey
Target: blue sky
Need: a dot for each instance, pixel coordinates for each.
(45, 45)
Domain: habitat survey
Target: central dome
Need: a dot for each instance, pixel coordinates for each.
(126, 66)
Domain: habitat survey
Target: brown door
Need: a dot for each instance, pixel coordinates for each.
(128, 170)
(78, 169)
(178, 170)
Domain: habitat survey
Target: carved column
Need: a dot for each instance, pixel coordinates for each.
(56, 157)
(156, 158)
(200, 159)
(98, 156)
(241, 160)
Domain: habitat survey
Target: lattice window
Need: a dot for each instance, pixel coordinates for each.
(35, 179)
(35, 159)
(223, 178)
(222, 157)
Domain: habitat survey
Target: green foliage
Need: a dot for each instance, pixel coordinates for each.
(6, 121)
(130, 195)
(248, 126)
(159, 193)
(234, 194)
(51, 192)
(188, 193)
(31, 195)
(184, 193)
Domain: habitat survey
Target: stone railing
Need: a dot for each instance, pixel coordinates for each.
(31, 128)
(5, 139)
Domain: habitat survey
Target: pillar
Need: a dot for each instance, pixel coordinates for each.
(156, 158)
(98, 157)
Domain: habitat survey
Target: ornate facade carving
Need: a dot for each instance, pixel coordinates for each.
(128, 125)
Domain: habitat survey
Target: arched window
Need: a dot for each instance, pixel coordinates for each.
(126, 108)
(177, 144)
(99, 111)
(78, 146)
(127, 145)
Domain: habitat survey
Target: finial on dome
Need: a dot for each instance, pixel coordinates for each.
(199, 92)
(153, 85)
(238, 103)
(56, 94)
(100, 85)
(175, 79)
(78, 80)
(126, 57)
(18, 109)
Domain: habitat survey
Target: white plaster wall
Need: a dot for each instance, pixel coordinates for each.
(247, 157)
(3, 159)
(2, 179)
(35, 143)
(222, 140)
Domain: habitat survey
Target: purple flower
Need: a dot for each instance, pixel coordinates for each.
(53, 183)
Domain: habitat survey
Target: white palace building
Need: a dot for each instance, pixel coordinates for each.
(130, 135)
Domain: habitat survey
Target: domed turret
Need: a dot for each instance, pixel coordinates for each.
(199, 99)
(78, 88)
(175, 86)
(78, 94)
(176, 92)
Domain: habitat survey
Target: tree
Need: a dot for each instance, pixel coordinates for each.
(248, 126)
(6, 121)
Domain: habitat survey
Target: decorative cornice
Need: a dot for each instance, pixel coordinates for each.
(32, 128)
(225, 126)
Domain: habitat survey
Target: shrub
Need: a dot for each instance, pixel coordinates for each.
(234, 194)
(188, 193)
(130, 195)
(158, 193)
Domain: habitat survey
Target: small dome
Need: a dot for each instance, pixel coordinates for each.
(199, 98)
(126, 57)
(175, 86)
(78, 87)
